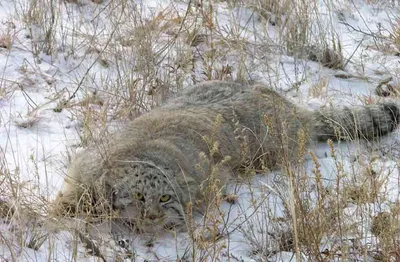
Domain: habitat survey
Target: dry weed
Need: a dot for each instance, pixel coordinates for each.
(153, 57)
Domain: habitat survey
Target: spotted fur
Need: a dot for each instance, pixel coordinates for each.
(165, 154)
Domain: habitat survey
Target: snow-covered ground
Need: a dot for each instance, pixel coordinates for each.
(73, 69)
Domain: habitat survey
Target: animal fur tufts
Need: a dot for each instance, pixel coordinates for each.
(159, 162)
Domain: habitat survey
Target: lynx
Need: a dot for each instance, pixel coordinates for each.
(148, 172)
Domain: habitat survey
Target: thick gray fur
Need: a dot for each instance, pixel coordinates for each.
(164, 152)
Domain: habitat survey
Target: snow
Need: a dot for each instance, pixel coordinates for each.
(36, 141)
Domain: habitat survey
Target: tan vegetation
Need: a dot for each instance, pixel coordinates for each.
(123, 60)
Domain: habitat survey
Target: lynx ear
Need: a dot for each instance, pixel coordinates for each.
(181, 184)
(101, 196)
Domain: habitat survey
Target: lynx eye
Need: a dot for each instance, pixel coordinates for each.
(139, 196)
(165, 198)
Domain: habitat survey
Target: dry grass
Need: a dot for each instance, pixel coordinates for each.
(134, 62)
(318, 89)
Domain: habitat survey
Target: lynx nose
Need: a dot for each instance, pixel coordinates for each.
(152, 217)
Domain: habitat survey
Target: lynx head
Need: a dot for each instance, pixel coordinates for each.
(148, 198)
